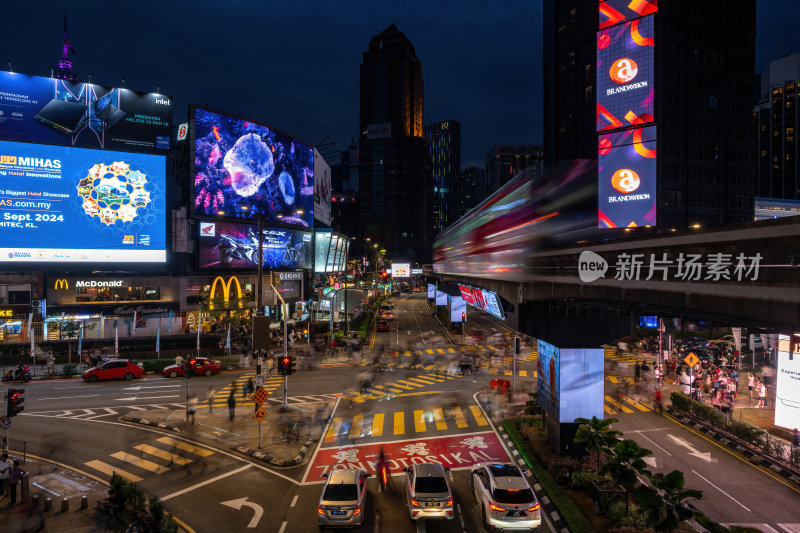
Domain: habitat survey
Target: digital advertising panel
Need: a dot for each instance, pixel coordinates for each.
(322, 190)
(625, 67)
(243, 169)
(787, 394)
(547, 378)
(458, 309)
(627, 182)
(441, 298)
(322, 244)
(580, 382)
(482, 299)
(401, 270)
(72, 205)
(224, 245)
(613, 12)
(53, 111)
(431, 291)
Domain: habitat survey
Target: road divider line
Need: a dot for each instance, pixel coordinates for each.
(294, 500)
(723, 492)
(653, 443)
(283, 527)
(108, 470)
(204, 483)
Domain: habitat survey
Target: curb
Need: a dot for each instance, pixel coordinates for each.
(752, 455)
(147, 422)
(261, 456)
(547, 506)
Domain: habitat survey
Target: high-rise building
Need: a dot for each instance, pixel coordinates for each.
(470, 190)
(663, 96)
(394, 165)
(504, 161)
(776, 115)
(444, 139)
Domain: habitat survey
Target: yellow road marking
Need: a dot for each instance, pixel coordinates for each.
(523, 373)
(429, 351)
(108, 470)
(399, 423)
(438, 417)
(409, 384)
(439, 350)
(618, 405)
(141, 463)
(377, 425)
(637, 405)
(162, 454)
(429, 367)
(609, 410)
(476, 412)
(419, 421)
(355, 428)
(390, 389)
(333, 430)
(461, 420)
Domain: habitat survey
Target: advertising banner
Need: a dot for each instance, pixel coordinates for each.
(431, 291)
(787, 395)
(52, 111)
(71, 205)
(243, 169)
(401, 270)
(322, 190)
(627, 182)
(625, 67)
(231, 245)
(458, 309)
(482, 299)
(441, 298)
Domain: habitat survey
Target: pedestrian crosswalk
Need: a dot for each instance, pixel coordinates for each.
(245, 382)
(430, 419)
(156, 457)
(623, 403)
(623, 356)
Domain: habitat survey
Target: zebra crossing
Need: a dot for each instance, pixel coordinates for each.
(611, 353)
(623, 403)
(153, 457)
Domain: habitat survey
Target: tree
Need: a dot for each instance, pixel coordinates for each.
(665, 504)
(596, 435)
(70, 329)
(625, 463)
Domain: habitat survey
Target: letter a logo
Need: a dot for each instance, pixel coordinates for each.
(625, 180)
(623, 70)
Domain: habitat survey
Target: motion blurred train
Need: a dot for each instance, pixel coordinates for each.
(531, 212)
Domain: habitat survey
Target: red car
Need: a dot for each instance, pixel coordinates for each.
(114, 369)
(383, 325)
(202, 366)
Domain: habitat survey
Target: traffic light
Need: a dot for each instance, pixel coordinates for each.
(285, 366)
(305, 333)
(14, 403)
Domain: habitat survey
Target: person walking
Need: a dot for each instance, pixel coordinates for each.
(751, 383)
(178, 359)
(637, 371)
(191, 407)
(762, 395)
(270, 365)
(5, 471)
(231, 405)
(13, 480)
(795, 439)
(210, 399)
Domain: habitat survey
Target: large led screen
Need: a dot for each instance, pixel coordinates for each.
(625, 74)
(53, 111)
(627, 178)
(547, 365)
(580, 381)
(72, 205)
(431, 291)
(458, 309)
(482, 299)
(322, 190)
(787, 395)
(441, 298)
(401, 270)
(613, 12)
(243, 169)
(231, 245)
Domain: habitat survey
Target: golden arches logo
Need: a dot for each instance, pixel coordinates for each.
(61, 283)
(226, 288)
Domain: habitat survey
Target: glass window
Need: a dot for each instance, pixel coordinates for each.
(513, 496)
(340, 492)
(430, 484)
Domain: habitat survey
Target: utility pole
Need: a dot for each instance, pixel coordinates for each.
(285, 339)
(259, 281)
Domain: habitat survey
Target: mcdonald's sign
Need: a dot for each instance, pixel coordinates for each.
(226, 288)
(61, 283)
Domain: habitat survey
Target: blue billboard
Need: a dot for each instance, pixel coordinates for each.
(71, 205)
(243, 169)
(224, 245)
(53, 111)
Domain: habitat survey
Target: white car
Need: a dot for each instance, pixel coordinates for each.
(506, 500)
(428, 493)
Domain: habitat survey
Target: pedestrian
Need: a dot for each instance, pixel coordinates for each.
(191, 407)
(13, 480)
(645, 371)
(5, 470)
(637, 371)
(231, 405)
(248, 387)
(210, 399)
(762, 395)
(270, 365)
(795, 439)
(114, 504)
(178, 359)
(751, 383)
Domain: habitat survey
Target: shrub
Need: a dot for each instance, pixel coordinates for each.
(745, 431)
(156, 509)
(582, 479)
(634, 517)
(168, 525)
(69, 370)
(156, 365)
(559, 463)
(680, 401)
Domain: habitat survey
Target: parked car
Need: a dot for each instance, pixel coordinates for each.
(114, 369)
(202, 366)
(505, 497)
(383, 325)
(342, 501)
(428, 493)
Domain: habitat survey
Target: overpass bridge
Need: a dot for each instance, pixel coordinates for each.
(746, 274)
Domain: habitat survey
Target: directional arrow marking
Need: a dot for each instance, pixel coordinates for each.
(705, 456)
(151, 387)
(146, 398)
(242, 502)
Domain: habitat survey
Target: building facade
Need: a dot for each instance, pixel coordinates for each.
(444, 139)
(470, 190)
(504, 161)
(394, 165)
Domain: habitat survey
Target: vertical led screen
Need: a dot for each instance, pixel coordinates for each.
(243, 169)
(581, 375)
(625, 69)
(612, 12)
(547, 378)
(787, 393)
(627, 178)
(322, 243)
(322, 190)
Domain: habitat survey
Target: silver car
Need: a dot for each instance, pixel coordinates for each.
(505, 497)
(343, 498)
(428, 493)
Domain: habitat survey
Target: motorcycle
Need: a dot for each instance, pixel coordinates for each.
(274, 253)
(231, 249)
(22, 375)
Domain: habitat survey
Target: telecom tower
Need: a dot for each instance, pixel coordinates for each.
(64, 71)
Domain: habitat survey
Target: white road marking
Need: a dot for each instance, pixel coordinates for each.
(460, 516)
(283, 527)
(70, 397)
(421, 526)
(790, 528)
(204, 483)
(764, 528)
(653, 443)
(294, 500)
(723, 492)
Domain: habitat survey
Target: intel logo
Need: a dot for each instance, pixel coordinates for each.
(591, 266)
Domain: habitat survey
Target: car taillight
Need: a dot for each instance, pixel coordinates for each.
(414, 502)
(449, 502)
(356, 511)
(320, 510)
(493, 507)
(534, 508)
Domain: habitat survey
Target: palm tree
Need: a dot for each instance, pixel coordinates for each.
(665, 504)
(596, 435)
(625, 463)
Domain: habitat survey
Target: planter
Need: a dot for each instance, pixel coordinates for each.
(604, 493)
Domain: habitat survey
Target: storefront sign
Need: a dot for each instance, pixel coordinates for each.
(65, 284)
(226, 291)
(290, 275)
(119, 310)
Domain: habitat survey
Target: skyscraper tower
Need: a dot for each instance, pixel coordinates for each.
(445, 158)
(64, 71)
(394, 176)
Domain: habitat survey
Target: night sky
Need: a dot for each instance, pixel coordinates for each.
(295, 65)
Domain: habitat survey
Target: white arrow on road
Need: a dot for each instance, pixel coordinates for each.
(242, 502)
(705, 456)
(146, 398)
(140, 387)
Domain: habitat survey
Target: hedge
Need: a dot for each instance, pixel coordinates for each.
(743, 430)
(567, 508)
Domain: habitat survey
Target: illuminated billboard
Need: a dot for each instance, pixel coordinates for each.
(224, 245)
(441, 298)
(547, 377)
(627, 178)
(431, 291)
(75, 205)
(625, 67)
(613, 12)
(53, 111)
(322, 190)
(243, 169)
(322, 244)
(330, 251)
(401, 270)
(787, 393)
(482, 299)
(458, 309)
(570, 382)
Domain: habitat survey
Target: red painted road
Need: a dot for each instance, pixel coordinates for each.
(455, 451)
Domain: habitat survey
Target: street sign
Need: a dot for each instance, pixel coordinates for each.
(260, 414)
(691, 359)
(5, 422)
(260, 396)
